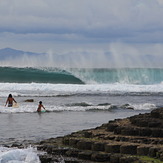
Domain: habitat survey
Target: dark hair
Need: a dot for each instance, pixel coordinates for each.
(40, 102)
(10, 95)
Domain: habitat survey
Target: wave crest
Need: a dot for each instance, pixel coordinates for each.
(37, 75)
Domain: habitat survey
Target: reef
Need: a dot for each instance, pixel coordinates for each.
(136, 139)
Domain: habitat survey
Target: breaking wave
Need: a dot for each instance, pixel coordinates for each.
(140, 76)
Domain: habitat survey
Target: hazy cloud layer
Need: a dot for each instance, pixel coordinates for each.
(120, 28)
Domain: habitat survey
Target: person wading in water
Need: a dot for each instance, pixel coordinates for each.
(10, 101)
(40, 106)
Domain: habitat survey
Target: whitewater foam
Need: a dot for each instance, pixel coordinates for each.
(32, 108)
(145, 106)
(42, 89)
(14, 155)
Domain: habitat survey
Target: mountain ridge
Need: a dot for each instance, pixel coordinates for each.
(10, 52)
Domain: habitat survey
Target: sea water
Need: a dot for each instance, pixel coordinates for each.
(75, 99)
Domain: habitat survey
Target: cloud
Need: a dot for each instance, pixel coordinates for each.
(89, 25)
(91, 17)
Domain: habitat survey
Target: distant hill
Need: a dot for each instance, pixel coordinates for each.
(10, 53)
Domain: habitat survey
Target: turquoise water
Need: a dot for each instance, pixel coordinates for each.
(144, 76)
(28, 75)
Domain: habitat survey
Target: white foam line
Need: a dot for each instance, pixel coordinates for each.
(38, 89)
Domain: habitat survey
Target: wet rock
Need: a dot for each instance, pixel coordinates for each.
(115, 158)
(86, 155)
(59, 151)
(45, 158)
(129, 131)
(128, 149)
(87, 134)
(157, 133)
(161, 154)
(142, 122)
(143, 150)
(17, 145)
(128, 159)
(118, 141)
(157, 113)
(73, 152)
(29, 100)
(49, 149)
(100, 157)
(112, 148)
(145, 132)
(98, 146)
(154, 124)
(66, 140)
(153, 151)
(118, 130)
(111, 126)
(83, 144)
(73, 142)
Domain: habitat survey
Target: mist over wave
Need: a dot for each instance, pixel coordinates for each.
(116, 55)
(142, 76)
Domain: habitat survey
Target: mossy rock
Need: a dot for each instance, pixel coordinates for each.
(146, 159)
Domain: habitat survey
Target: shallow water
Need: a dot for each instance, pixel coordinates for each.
(66, 114)
(24, 123)
(36, 126)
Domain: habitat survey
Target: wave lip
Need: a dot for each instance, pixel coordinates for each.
(135, 76)
(37, 75)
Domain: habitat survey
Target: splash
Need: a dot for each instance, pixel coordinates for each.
(18, 155)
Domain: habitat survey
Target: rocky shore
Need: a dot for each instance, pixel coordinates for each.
(136, 139)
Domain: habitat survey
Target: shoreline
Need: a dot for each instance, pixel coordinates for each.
(120, 140)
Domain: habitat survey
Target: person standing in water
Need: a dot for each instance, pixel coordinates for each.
(40, 106)
(10, 101)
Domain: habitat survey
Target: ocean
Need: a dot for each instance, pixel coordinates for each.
(75, 99)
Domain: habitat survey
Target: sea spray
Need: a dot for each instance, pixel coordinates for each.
(142, 76)
(14, 155)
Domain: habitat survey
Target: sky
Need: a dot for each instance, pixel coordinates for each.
(98, 33)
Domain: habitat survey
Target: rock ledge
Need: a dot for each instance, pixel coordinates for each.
(118, 141)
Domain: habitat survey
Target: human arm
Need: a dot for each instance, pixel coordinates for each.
(6, 101)
(43, 107)
(14, 100)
